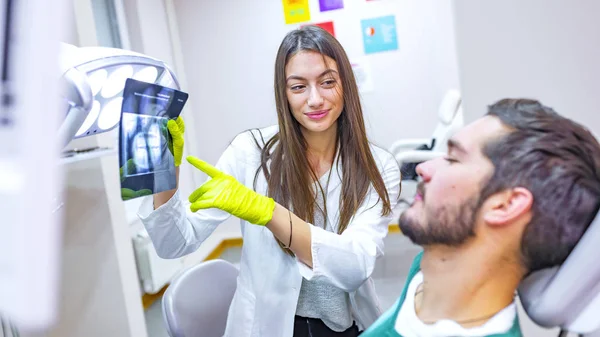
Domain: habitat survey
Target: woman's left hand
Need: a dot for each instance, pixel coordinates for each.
(226, 193)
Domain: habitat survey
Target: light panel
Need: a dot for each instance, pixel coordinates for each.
(90, 119)
(97, 80)
(146, 74)
(116, 81)
(110, 115)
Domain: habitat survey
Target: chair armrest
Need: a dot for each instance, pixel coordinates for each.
(408, 144)
(416, 156)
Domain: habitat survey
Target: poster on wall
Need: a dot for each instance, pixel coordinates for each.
(296, 11)
(379, 34)
(329, 5)
(363, 75)
(328, 26)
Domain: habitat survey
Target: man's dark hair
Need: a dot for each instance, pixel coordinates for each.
(558, 161)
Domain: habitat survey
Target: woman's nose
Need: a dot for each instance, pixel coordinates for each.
(315, 100)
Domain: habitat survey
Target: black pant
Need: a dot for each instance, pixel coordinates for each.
(312, 327)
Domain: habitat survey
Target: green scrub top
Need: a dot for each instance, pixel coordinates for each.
(385, 325)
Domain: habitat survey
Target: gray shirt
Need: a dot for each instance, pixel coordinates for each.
(318, 298)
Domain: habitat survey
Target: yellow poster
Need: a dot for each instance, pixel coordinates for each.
(296, 11)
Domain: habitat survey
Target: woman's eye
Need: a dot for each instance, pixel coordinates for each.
(296, 87)
(329, 83)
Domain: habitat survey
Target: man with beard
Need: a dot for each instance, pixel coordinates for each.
(515, 193)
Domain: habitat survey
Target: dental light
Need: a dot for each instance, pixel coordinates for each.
(93, 79)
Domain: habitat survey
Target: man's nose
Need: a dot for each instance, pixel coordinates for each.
(426, 170)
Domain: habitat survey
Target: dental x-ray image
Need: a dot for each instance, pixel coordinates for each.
(145, 158)
(145, 140)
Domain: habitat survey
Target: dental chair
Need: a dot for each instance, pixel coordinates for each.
(197, 302)
(568, 296)
(410, 152)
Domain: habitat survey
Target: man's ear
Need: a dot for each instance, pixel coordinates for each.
(507, 206)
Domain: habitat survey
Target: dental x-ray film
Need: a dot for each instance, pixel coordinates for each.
(146, 162)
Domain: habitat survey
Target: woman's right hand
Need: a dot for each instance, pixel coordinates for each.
(176, 129)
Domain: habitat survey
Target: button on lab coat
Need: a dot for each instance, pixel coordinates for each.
(269, 281)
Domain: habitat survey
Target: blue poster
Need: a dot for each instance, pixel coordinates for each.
(379, 34)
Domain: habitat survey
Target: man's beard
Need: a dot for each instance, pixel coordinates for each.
(448, 226)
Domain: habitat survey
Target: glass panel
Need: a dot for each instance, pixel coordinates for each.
(107, 25)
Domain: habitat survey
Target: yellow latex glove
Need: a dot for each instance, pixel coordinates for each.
(226, 193)
(176, 129)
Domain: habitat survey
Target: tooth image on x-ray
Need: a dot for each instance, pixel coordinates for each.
(129, 124)
(140, 154)
(146, 143)
(148, 149)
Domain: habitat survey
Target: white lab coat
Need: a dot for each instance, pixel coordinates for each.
(268, 286)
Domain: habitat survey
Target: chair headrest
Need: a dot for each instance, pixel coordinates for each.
(449, 106)
(568, 296)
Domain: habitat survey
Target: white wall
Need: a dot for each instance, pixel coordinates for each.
(229, 50)
(548, 50)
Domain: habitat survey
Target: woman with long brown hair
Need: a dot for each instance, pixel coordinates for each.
(314, 197)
